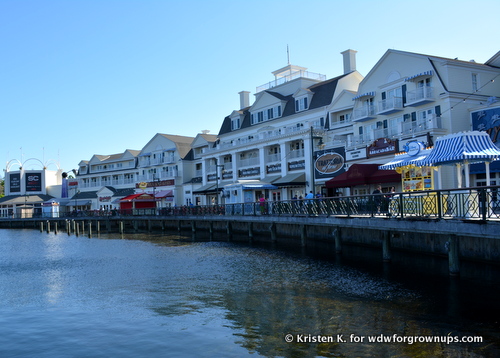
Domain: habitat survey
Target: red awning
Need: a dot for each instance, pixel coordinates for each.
(138, 197)
(361, 174)
(384, 176)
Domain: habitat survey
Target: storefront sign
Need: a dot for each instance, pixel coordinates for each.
(33, 181)
(413, 148)
(227, 175)
(274, 168)
(249, 172)
(329, 163)
(301, 164)
(488, 121)
(15, 182)
(152, 184)
(105, 198)
(382, 146)
(355, 154)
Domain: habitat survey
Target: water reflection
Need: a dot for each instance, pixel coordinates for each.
(144, 295)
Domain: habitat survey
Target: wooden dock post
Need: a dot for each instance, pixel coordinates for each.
(98, 227)
(41, 226)
(453, 255)
(229, 230)
(386, 246)
(90, 229)
(250, 231)
(272, 228)
(338, 240)
(211, 230)
(193, 229)
(303, 235)
(48, 226)
(121, 227)
(179, 226)
(55, 227)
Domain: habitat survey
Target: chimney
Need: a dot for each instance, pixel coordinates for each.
(349, 60)
(244, 99)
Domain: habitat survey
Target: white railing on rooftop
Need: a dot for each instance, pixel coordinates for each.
(292, 76)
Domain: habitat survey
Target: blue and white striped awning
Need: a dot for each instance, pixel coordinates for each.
(404, 159)
(461, 148)
(367, 94)
(422, 74)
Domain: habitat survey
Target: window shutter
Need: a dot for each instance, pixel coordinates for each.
(403, 93)
(413, 116)
(296, 105)
(437, 110)
(305, 102)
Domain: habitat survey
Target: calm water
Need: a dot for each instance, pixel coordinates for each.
(164, 296)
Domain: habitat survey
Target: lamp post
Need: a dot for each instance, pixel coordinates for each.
(313, 136)
(217, 166)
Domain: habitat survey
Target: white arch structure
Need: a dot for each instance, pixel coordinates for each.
(42, 165)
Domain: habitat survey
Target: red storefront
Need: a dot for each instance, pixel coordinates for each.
(138, 201)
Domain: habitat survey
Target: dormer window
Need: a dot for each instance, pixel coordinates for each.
(266, 114)
(301, 104)
(235, 124)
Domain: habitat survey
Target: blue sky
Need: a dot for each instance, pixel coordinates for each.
(85, 77)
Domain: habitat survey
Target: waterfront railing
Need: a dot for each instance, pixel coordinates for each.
(480, 203)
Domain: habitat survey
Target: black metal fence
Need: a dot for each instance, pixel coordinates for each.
(480, 203)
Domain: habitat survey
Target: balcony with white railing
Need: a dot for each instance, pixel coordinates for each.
(390, 105)
(422, 125)
(361, 140)
(420, 96)
(296, 154)
(248, 162)
(364, 113)
(273, 158)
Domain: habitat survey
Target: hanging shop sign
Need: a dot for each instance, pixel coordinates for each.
(329, 163)
(382, 146)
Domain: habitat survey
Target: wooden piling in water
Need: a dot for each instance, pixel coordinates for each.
(272, 228)
(48, 226)
(337, 239)
(250, 231)
(386, 246)
(41, 226)
(303, 235)
(453, 255)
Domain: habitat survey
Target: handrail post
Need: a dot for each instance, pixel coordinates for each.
(439, 204)
(483, 202)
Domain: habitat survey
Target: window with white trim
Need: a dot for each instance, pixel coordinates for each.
(301, 104)
(235, 123)
(475, 82)
(265, 115)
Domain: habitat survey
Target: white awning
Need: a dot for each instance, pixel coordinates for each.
(404, 159)
(422, 74)
(465, 147)
(367, 94)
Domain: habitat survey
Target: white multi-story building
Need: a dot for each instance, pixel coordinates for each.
(413, 97)
(101, 181)
(268, 147)
(157, 169)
